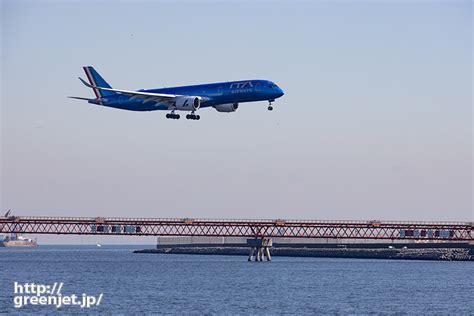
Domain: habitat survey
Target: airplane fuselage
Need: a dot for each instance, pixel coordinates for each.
(212, 94)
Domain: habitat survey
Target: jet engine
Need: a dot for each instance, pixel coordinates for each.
(188, 103)
(228, 107)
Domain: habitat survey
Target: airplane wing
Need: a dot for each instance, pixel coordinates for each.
(145, 96)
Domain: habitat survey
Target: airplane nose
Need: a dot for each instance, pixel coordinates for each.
(280, 92)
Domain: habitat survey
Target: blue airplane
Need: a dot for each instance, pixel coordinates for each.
(222, 96)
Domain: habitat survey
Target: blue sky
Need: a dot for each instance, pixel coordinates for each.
(376, 122)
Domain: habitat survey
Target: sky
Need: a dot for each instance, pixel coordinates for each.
(375, 123)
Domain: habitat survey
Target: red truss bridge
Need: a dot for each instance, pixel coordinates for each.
(394, 230)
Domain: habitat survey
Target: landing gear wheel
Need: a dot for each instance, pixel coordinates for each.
(270, 107)
(192, 117)
(172, 116)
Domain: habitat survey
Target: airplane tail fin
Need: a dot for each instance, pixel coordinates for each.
(96, 80)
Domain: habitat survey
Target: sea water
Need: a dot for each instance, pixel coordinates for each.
(201, 284)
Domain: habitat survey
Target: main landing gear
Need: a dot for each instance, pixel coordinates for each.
(270, 107)
(193, 116)
(172, 116)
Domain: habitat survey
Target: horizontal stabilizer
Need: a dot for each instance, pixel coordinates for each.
(81, 98)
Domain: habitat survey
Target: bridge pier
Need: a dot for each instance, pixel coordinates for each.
(259, 249)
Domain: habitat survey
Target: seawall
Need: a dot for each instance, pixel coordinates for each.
(448, 252)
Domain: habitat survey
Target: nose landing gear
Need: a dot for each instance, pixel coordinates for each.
(270, 107)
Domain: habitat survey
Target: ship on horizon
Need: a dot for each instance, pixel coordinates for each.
(16, 240)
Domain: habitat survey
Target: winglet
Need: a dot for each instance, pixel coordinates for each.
(86, 83)
(97, 83)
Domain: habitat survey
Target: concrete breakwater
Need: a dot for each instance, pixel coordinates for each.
(464, 252)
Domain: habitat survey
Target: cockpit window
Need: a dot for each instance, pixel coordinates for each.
(271, 85)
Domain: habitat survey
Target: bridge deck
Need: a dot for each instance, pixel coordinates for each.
(399, 230)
